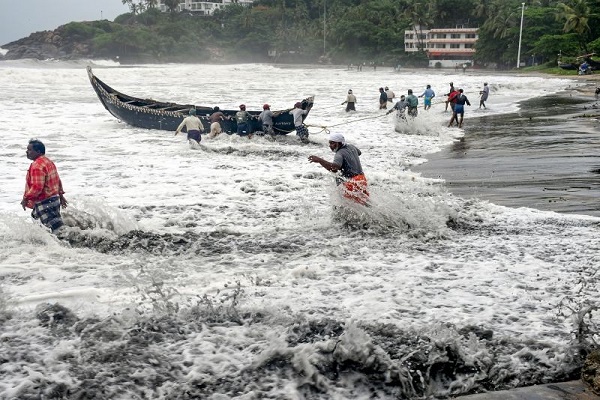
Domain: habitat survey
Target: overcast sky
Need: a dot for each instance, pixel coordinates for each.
(19, 18)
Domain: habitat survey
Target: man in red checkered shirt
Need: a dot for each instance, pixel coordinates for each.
(43, 188)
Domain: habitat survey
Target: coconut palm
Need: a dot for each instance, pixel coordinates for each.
(576, 14)
(171, 5)
(420, 16)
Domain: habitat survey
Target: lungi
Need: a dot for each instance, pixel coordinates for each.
(355, 189)
(302, 132)
(215, 129)
(48, 212)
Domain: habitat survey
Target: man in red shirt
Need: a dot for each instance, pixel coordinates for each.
(43, 188)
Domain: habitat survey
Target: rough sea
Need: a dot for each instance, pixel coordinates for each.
(236, 271)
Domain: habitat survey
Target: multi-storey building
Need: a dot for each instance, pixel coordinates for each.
(207, 7)
(450, 47)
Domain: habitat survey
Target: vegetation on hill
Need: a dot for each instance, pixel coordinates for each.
(341, 31)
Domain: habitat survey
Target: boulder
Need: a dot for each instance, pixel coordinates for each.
(590, 372)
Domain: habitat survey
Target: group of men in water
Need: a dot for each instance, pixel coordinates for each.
(44, 192)
(194, 126)
(408, 104)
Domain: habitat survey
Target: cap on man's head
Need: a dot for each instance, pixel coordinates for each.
(349, 90)
(242, 106)
(337, 137)
(266, 106)
(298, 105)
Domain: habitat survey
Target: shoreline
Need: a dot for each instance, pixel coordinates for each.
(539, 157)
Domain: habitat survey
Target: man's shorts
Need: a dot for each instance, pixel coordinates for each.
(194, 135)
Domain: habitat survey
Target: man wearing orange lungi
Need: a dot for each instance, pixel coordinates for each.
(347, 161)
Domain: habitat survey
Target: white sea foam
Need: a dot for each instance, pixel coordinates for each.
(242, 235)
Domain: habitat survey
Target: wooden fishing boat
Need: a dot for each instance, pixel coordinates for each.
(152, 114)
(568, 66)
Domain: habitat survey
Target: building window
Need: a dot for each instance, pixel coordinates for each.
(468, 45)
(440, 46)
(455, 36)
(454, 46)
(409, 36)
(441, 36)
(470, 36)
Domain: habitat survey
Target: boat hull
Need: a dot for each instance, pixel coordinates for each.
(152, 114)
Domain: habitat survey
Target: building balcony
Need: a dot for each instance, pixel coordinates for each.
(448, 41)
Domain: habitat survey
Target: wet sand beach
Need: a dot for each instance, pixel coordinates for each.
(543, 157)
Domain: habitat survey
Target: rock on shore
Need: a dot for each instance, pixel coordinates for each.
(47, 45)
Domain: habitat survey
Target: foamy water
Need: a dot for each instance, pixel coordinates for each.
(225, 272)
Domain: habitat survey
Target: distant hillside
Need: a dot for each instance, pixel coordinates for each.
(340, 31)
(109, 40)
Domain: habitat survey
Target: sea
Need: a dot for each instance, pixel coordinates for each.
(235, 270)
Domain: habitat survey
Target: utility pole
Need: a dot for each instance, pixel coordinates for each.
(324, 22)
(520, 36)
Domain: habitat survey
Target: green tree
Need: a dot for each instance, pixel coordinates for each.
(171, 5)
(420, 16)
(576, 15)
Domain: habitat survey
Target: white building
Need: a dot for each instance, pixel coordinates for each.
(451, 47)
(202, 7)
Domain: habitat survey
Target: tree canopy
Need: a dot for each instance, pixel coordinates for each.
(345, 31)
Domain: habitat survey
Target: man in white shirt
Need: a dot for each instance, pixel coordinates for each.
(301, 129)
(193, 126)
(390, 95)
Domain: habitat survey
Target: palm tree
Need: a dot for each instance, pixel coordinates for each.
(420, 16)
(504, 18)
(576, 14)
(151, 3)
(171, 5)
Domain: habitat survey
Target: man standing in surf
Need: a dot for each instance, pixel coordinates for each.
(347, 161)
(301, 129)
(43, 188)
(193, 125)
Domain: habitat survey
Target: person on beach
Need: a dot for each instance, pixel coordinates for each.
(215, 122)
(301, 129)
(242, 117)
(400, 106)
(597, 93)
(413, 104)
(382, 99)
(452, 90)
(350, 101)
(459, 109)
(193, 125)
(43, 188)
(390, 95)
(266, 117)
(428, 95)
(484, 95)
(347, 161)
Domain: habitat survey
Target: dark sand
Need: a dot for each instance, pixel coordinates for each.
(547, 156)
